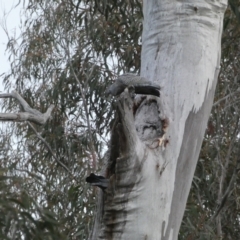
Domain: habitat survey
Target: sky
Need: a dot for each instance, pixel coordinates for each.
(10, 18)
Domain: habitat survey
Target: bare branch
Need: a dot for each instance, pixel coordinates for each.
(83, 95)
(30, 114)
(226, 194)
(226, 97)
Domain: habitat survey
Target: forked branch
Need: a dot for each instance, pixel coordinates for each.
(29, 113)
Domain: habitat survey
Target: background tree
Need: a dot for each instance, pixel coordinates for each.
(87, 42)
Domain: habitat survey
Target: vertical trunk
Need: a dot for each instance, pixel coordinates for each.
(160, 142)
(181, 51)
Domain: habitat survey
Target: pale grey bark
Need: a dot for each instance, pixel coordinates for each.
(181, 49)
(160, 139)
(29, 113)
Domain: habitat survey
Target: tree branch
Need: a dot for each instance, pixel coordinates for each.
(51, 151)
(83, 95)
(30, 114)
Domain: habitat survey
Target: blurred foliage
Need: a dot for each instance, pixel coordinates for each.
(66, 55)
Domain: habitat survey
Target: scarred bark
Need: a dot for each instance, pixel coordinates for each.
(139, 146)
(152, 177)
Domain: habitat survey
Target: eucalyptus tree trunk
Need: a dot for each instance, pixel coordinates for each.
(156, 141)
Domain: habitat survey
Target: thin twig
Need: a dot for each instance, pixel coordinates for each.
(226, 194)
(51, 151)
(223, 197)
(92, 148)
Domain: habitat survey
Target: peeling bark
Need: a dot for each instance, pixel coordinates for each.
(159, 139)
(132, 146)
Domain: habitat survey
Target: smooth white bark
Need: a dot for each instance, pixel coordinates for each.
(181, 51)
(148, 191)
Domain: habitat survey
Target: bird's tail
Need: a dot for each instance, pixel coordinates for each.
(98, 181)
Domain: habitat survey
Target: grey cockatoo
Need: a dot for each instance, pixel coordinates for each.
(140, 84)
